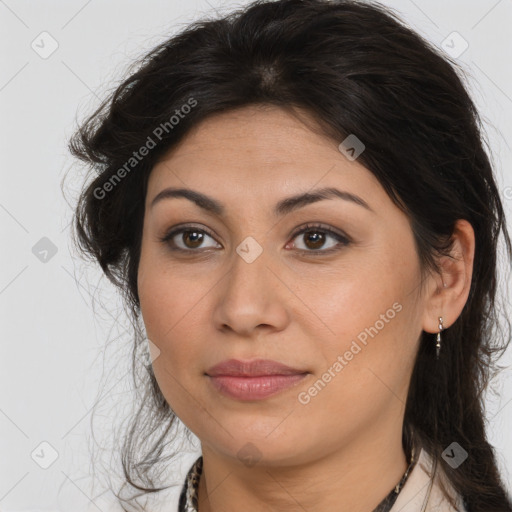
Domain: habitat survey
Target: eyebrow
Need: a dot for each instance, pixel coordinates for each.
(283, 207)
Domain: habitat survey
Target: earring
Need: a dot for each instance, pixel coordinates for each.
(438, 341)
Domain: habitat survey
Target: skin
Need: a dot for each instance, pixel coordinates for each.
(342, 450)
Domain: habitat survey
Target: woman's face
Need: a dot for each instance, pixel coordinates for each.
(346, 312)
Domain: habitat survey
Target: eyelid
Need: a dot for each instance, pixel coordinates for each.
(320, 227)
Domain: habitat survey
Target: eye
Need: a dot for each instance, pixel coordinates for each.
(190, 238)
(314, 238)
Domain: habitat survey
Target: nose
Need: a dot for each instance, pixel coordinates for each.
(252, 296)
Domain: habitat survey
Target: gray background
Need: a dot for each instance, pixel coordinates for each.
(54, 327)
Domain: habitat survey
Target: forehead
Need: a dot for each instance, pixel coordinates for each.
(259, 152)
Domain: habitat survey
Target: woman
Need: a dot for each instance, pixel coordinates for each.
(296, 201)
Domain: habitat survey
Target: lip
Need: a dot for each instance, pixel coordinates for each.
(252, 368)
(253, 380)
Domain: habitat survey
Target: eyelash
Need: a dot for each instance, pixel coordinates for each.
(343, 240)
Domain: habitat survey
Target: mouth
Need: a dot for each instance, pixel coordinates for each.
(253, 380)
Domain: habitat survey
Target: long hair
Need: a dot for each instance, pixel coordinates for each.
(356, 68)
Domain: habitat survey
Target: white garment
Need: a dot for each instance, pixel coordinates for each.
(422, 493)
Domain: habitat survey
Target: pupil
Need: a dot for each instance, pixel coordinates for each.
(317, 239)
(195, 243)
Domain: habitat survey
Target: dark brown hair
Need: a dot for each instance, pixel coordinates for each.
(356, 68)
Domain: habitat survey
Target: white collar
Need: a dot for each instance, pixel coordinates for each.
(423, 490)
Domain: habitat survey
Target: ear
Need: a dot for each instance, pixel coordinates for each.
(448, 293)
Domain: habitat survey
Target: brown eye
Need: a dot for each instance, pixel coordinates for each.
(188, 239)
(315, 238)
(192, 238)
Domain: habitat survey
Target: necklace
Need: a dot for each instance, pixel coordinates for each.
(188, 497)
(386, 504)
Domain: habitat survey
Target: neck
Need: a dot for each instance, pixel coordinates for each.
(354, 478)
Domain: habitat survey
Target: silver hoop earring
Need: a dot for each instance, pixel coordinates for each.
(438, 341)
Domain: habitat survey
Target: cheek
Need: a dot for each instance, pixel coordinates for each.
(166, 313)
(167, 316)
(373, 322)
(158, 307)
(166, 297)
(365, 370)
(351, 305)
